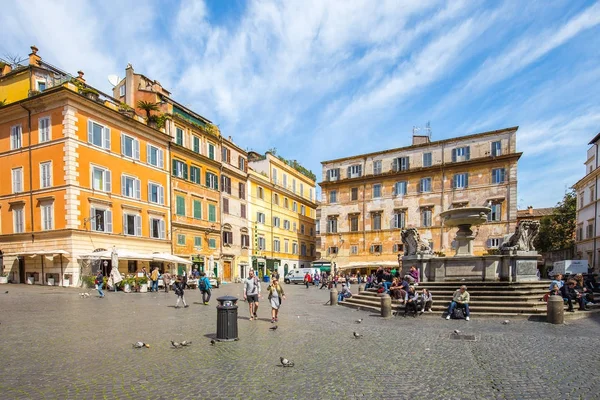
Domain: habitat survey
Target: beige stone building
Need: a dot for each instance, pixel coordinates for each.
(235, 243)
(368, 199)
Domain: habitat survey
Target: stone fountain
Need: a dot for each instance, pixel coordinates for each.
(516, 260)
(464, 218)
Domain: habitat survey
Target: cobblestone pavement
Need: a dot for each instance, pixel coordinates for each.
(56, 345)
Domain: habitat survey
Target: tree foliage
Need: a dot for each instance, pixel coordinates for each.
(557, 231)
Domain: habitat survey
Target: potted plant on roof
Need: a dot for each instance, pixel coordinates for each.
(148, 107)
(125, 109)
(90, 93)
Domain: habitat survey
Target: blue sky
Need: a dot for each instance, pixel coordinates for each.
(321, 79)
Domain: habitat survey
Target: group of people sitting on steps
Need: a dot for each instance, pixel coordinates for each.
(574, 290)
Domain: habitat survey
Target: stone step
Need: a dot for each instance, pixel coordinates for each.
(440, 309)
(473, 303)
(511, 295)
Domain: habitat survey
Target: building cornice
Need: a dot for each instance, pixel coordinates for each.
(429, 144)
(423, 170)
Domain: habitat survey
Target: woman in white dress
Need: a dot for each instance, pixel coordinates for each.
(275, 296)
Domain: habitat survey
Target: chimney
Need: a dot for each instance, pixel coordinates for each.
(420, 139)
(129, 86)
(80, 77)
(34, 59)
(530, 210)
(6, 69)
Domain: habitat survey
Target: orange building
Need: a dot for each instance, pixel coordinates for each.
(78, 176)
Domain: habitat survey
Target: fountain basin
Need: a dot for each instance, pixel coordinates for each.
(465, 216)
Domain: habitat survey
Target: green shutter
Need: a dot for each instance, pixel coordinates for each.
(174, 167)
(180, 205)
(212, 217)
(197, 209)
(185, 171)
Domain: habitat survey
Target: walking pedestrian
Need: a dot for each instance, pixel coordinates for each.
(205, 288)
(252, 294)
(154, 278)
(307, 279)
(179, 287)
(166, 277)
(99, 282)
(276, 295)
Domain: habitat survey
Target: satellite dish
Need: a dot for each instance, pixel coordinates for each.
(114, 80)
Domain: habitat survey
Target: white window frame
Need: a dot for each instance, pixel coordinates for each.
(260, 217)
(498, 173)
(286, 224)
(17, 180)
(262, 243)
(160, 193)
(494, 243)
(295, 207)
(46, 174)
(136, 187)
(161, 228)
(208, 146)
(294, 248)
(181, 238)
(496, 148)
(160, 156)
(276, 222)
(106, 177)
(212, 180)
(122, 90)
(276, 245)
(377, 167)
(354, 249)
(18, 219)
(16, 137)
(495, 214)
(377, 191)
(426, 217)
(39, 83)
(302, 210)
(274, 176)
(355, 171)
(45, 133)
(400, 188)
(332, 196)
(197, 242)
(425, 185)
(427, 159)
(399, 219)
(135, 146)
(333, 174)
(105, 133)
(460, 181)
(137, 224)
(107, 220)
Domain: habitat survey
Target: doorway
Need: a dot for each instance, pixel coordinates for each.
(227, 271)
(21, 269)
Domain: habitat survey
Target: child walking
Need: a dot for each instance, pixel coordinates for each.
(178, 287)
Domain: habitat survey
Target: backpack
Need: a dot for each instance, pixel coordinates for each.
(458, 313)
(202, 284)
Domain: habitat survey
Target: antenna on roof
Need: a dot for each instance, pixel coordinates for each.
(113, 80)
(428, 129)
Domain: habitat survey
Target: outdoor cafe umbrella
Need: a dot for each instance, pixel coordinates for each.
(115, 276)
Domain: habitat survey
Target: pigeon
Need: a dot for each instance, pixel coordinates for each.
(357, 335)
(140, 345)
(186, 343)
(212, 342)
(456, 331)
(176, 345)
(285, 362)
(273, 328)
(358, 321)
(6, 292)
(506, 322)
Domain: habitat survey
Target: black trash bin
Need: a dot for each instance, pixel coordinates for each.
(227, 328)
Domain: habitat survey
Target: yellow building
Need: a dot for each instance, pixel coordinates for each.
(282, 210)
(368, 199)
(78, 176)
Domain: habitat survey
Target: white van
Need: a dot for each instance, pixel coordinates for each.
(296, 276)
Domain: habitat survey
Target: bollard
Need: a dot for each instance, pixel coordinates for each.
(386, 306)
(555, 311)
(333, 296)
(361, 288)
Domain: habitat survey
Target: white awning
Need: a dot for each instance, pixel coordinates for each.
(39, 253)
(122, 254)
(368, 264)
(166, 257)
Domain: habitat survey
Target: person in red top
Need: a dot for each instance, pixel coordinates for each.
(307, 279)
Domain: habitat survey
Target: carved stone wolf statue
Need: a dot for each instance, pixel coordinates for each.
(413, 244)
(524, 236)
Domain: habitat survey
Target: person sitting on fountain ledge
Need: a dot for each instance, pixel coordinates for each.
(460, 299)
